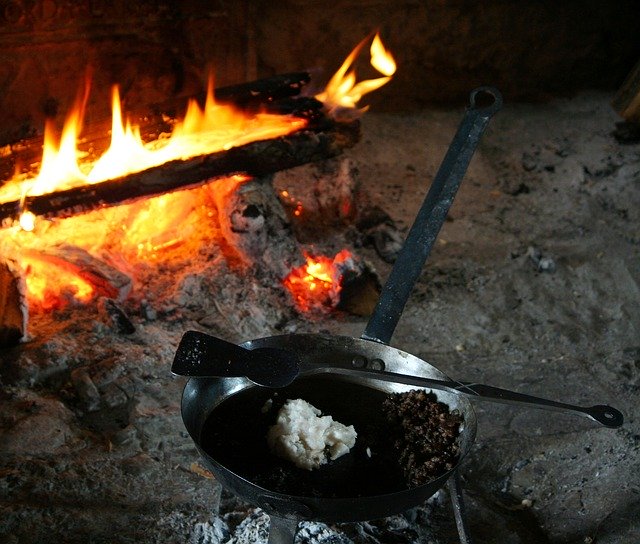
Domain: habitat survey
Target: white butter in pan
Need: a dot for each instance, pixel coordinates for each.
(308, 439)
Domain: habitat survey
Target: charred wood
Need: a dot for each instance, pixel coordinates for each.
(262, 91)
(627, 132)
(13, 304)
(115, 316)
(319, 197)
(627, 100)
(86, 390)
(360, 291)
(302, 106)
(256, 159)
(255, 225)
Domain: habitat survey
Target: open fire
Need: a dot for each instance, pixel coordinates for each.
(153, 230)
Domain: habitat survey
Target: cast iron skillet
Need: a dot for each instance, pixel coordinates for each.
(224, 418)
(233, 445)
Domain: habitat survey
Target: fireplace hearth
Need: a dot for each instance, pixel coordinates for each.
(92, 446)
(212, 161)
(91, 418)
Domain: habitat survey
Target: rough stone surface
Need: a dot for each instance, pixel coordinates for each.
(92, 446)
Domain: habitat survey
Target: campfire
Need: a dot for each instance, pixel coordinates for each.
(91, 222)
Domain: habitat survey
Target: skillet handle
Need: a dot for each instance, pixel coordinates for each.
(431, 216)
(603, 414)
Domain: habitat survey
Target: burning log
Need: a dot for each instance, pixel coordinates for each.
(627, 103)
(255, 159)
(255, 224)
(270, 93)
(257, 93)
(13, 305)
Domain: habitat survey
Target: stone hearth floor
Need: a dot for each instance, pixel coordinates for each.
(534, 285)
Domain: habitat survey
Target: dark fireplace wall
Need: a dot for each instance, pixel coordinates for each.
(159, 49)
(530, 49)
(154, 49)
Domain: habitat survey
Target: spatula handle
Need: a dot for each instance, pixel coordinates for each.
(201, 355)
(431, 216)
(603, 414)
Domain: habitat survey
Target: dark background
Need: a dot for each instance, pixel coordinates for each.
(156, 49)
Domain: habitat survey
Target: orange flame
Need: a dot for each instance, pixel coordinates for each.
(147, 228)
(343, 90)
(160, 226)
(215, 127)
(317, 283)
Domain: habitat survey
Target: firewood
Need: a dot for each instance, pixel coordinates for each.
(319, 196)
(627, 100)
(13, 305)
(254, 223)
(360, 292)
(255, 159)
(260, 92)
(271, 94)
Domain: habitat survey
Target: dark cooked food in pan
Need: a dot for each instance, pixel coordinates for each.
(425, 434)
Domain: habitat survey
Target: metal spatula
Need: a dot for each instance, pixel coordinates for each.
(204, 356)
(200, 355)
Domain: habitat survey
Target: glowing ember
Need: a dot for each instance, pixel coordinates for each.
(27, 221)
(150, 228)
(50, 284)
(343, 91)
(171, 227)
(291, 201)
(317, 283)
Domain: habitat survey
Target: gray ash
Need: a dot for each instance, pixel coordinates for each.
(426, 437)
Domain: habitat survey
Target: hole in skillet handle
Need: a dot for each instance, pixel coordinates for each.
(485, 100)
(606, 415)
